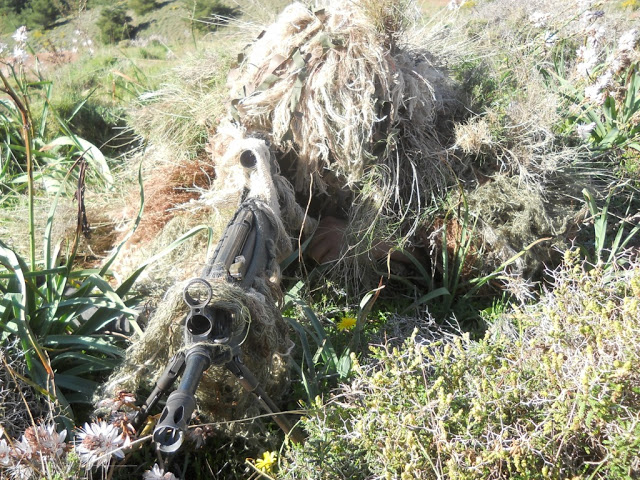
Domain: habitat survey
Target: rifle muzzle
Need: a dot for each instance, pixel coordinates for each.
(170, 430)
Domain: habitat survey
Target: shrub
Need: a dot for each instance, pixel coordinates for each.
(550, 392)
(41, 13)
(114, 24)
(203, 12)
(142, 6)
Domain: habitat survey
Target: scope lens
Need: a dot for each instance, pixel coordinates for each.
(248, 159)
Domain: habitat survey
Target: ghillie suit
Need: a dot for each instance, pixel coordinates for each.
(356, 113)
(351, 111)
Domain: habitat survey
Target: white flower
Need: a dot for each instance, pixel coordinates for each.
(23, 448)
(19, 54)
(157, 473)
(52, 443)
(595, 37)
(539, 19)
(589, 60)
(628, 40)
(20, 471)
(3, 47)
(604, 80)
(77, 32)
(20, 36)
(97, 443)
(594, 94)
(5, 450)
(584, 130)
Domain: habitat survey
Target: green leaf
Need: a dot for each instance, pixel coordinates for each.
(438, 292)
(76, 384)
(611, 138)
(98, 344)
(125, 286)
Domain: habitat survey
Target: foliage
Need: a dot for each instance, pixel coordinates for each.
(602, 242)
(33, 13)
(613, 123)
(41, 13)
(114, 24)
(56, 311)
(205, 14)
(550, 392)
(142, 6)
(326, 356)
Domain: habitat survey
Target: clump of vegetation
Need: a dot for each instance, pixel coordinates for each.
(114, 24)
(33, 13)
(550, 392)
(206, 15)
(142, 6)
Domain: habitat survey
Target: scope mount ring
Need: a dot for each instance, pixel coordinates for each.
(189, 298)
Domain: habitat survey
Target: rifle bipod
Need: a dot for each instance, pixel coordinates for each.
(169, 432)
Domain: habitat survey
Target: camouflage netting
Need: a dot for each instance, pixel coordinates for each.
(513, 215)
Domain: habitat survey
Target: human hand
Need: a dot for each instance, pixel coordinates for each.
(327, 241)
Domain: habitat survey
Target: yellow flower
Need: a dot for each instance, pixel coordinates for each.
(266, 463)
(346, 323)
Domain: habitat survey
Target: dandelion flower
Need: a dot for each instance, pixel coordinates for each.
(20, 36)
(346, 323)
(157, 473)
(266, 463)
(97, 443)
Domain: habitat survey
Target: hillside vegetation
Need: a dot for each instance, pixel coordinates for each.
(507, 345)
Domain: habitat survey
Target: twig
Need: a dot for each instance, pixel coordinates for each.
(26, 129)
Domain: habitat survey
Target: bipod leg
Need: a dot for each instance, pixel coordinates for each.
(250, 383)
(165, 382)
